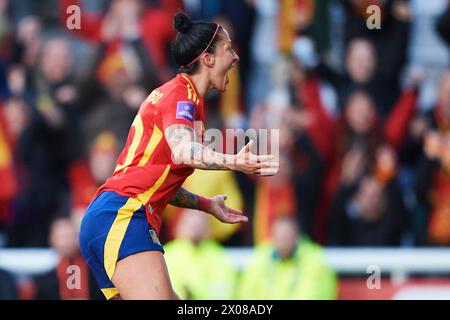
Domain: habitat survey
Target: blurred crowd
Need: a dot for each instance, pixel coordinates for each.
(364, 120)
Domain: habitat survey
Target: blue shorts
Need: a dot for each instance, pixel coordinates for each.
(113, 228)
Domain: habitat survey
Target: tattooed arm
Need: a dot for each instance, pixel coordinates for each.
(214, 206)
(186, 150)
(185, 199)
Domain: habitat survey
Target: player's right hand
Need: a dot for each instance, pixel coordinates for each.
(249, 163)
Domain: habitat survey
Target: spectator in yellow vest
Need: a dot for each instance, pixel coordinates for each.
(211, 275)
(288, 267)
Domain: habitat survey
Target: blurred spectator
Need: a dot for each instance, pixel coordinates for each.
(112, 91)
(125, 19)
(321, 23)
(360, 138)
(268, 113)
(315, 113)
(362, 73)
(288, 267)
(433, 168)
(294, 189)
(48, 146)
(273, 197)
(368, 213)
(362, 121)
(264, 51)
(360, 66)
(29, 42)
(272, 193)
(374, 58)
(211, 275)
(103, 154)
(294, 17)
(8, 288)
(425, 15)
(57, 284)
(7, 176)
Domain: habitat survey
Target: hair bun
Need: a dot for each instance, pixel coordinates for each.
(182, 22)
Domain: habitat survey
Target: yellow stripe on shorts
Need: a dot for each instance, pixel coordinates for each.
(121, 222)
(117, 233)
(109, 292)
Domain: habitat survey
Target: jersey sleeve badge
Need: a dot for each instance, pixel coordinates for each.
(185, 111)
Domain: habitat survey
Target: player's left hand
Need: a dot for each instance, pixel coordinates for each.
(223, 213)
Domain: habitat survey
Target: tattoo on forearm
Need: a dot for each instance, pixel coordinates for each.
(185, 199)
(198, 153)
(182, 141)
(175, 134)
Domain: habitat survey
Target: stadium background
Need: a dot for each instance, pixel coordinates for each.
(364, 119)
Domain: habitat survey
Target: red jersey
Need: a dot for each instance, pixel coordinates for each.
(145, 169)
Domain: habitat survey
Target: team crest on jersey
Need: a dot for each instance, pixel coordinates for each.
(154, 236)
(185, 111)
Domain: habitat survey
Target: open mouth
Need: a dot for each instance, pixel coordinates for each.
(227, 76)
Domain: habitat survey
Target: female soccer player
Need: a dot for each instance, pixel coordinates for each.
(118, 235)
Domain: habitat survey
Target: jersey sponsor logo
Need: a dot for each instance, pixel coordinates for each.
(185, 110)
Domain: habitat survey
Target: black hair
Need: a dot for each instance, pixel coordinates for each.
(192, 39)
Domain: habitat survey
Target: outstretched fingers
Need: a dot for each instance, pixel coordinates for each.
(236, 218)
(264, 158)
(234, 211)
(267, 171)
(267, 168)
